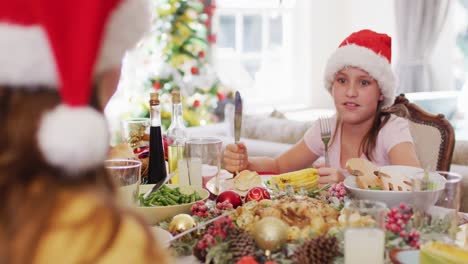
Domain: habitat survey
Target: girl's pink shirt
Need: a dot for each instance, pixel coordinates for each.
(395, 131)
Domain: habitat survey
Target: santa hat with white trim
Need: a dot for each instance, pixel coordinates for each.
(65, 45)
(369, 51)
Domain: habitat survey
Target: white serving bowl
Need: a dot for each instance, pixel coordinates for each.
(425, 199)
(156, 214)
(162, 236)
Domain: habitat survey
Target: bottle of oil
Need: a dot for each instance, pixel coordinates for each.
(176, 135)
(157, 164)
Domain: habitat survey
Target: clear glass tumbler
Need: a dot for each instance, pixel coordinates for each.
(436, 203)
(203, 157)
(134, 131)
(127, 176)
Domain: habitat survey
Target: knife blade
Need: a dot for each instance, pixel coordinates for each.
(237, 117)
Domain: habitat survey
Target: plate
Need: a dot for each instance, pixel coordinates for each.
(161, 235)
(226, 183)
(394, 198)
(405, 256)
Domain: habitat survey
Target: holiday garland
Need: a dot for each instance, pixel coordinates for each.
(224, 241)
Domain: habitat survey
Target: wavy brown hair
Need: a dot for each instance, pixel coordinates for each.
(30, 188)
(380, 119)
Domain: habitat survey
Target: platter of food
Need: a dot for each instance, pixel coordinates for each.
(389, 184)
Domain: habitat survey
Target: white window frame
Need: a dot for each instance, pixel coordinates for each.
(286, 97)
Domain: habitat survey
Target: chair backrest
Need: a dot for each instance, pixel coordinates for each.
(433, 135)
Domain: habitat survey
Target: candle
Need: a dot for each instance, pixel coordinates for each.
(182, 172)
(195, 171)
(364, 245)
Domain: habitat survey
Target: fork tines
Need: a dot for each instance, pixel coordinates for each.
(325, 128)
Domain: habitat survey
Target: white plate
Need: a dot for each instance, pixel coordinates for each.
(394, 198)
(162, 236)
(226, 183)
(408, 256)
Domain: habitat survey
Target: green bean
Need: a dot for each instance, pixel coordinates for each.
(170, 201)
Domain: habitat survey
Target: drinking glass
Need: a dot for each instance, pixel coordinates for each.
(134, 130)
(436, 202)
(364, 237)
(203, 159)
(127, 175)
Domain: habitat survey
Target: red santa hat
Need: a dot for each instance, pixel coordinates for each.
(369, 51)
(64, 45)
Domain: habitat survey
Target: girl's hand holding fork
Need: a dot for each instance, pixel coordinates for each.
(328, 175)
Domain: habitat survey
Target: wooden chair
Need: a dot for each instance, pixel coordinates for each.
(433, 135)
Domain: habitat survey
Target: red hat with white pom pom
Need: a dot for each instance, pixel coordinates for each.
(64, 45)
(370, 51)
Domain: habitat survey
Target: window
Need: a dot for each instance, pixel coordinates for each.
(253, 51)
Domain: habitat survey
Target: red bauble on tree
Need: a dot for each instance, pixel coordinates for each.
(232, 197)
(194, 70)
(257, 194)
(157, 85)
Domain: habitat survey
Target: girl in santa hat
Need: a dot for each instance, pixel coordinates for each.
(359, 77)
(57, 205)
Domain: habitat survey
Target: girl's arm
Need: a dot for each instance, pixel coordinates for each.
(297, 157)
(404, 154)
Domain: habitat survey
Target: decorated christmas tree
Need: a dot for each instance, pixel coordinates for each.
(175, 55)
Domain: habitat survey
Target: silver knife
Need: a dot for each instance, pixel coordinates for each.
(237, 117)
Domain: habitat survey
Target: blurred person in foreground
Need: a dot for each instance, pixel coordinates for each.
(57, 204)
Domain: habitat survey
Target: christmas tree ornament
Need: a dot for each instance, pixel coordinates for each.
(270, 234)
(322, 249)
(181, 223)
(247, 260)
(232, 197)
(257, 194)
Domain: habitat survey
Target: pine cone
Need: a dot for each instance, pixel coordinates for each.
(241, 244)
(320, 250)
(200, 254)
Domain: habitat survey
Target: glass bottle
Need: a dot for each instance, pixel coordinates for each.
(157, 164)
(176, 136)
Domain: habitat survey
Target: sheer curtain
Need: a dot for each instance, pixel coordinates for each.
(418, 26)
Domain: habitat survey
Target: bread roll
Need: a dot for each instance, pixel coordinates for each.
(122, 151)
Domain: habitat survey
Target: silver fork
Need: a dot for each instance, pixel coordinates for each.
(325, 134)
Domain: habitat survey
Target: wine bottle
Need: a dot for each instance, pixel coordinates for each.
(176, 135)
(157, 164)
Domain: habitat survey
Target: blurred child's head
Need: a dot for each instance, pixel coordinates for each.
(359, 76)
(59, 51)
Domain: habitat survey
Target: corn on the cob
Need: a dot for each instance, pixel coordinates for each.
(306, 179)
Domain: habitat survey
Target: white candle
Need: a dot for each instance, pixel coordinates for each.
(183, 172)
(364, 245)
(195, 172)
